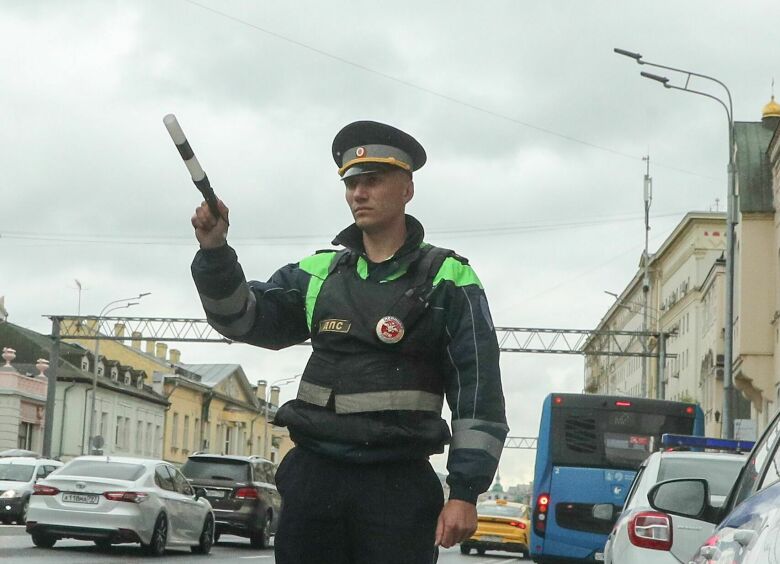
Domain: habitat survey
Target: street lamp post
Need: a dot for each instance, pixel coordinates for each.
(106, 309)
(277, 383)
(731, 221)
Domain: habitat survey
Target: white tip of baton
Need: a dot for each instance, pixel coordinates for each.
(174, 129)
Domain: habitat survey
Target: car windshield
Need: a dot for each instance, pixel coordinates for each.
(216, 469)
(494, 510)
(103, 469)
(719, 473)
(16, 472)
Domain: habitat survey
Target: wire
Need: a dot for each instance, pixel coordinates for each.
(300, 239)
(439, 94)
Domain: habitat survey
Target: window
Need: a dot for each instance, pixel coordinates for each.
(25, 436)
(104, 424)
(115, 374)
(163, 478)
(157, 444)
(128, 379)
(196, 435)
(149, 445)
(175, 431)
(139, 437)
(103, 469)
(180, 482)
(119, 432)
(185, 443)
(759, 457)
(227, 439)
(126, 437)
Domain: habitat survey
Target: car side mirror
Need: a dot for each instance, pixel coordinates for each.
(199, 493)
(686, 497)
(603, 511)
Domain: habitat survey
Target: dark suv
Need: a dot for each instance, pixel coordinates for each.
(242, 492)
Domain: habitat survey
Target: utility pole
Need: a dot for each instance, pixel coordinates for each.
(648, 196)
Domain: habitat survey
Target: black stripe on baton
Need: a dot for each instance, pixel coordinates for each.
(185, 150)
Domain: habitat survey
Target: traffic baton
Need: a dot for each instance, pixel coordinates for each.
(197, 173)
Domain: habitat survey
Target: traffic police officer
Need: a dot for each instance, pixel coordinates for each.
(396, 325)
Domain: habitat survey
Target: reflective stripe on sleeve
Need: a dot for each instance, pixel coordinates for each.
(314, 394)
(479, 440)
(231, 305)
(243, 324)
(411, 400)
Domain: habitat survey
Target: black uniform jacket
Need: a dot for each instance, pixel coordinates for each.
(366, 394)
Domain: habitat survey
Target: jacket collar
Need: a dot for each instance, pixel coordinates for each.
(352, 238)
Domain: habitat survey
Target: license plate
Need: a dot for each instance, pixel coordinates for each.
(80, 498)
(215, 493)
(599, 556)
(489, 538)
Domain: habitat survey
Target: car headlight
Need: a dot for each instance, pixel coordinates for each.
(9, 493)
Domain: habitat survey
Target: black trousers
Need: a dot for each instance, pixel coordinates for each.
(345, 513)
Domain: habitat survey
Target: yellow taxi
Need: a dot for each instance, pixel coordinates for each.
(502, 525)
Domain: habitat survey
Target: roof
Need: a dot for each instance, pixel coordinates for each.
(698, 455)
(754, 175)
(121, 459)
(28, 460)
(211, 374)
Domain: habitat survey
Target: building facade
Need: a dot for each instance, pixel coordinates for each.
(22, 403)
(128, 414)
(684, 276)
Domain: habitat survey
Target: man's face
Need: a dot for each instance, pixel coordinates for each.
(378, 199)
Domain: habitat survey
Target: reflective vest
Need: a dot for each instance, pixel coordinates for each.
(376, 345)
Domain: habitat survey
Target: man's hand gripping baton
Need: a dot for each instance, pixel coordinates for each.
(199, 177)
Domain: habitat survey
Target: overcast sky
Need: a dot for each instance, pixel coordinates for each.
(535, 132)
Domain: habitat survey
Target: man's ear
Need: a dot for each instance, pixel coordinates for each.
(409, 191)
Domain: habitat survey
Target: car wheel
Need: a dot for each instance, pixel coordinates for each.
(481, 551)
(156, 546)
(43, 541)
(464, 549)
(23, 513)
(103, 544)
(206, 537)
(261, 538)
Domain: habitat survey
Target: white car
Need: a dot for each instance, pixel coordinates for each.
(645, 535)
(112, 500)
(18, 475)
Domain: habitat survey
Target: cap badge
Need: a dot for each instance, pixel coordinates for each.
(360, 152)
(390, 329)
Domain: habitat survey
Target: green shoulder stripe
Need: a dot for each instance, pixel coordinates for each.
(456, 272)
(317, 266)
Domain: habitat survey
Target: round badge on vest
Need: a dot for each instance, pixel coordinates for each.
(390, 329)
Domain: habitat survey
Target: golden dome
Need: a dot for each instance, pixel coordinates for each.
(772, 109)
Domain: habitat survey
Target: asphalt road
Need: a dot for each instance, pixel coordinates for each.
(16, 546)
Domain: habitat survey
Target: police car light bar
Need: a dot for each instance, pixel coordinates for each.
(691, 441)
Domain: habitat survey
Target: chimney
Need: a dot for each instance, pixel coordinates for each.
(119, 329)
(275, 395)
(175, 356)
(161, 350)
(150, 347)
(260, 391)
(136, 342)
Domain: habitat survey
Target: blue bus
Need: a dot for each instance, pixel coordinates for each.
(588, 450)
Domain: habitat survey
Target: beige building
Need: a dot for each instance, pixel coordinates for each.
(757, 272)
(213, 407)
(685, 278)
(688, 296)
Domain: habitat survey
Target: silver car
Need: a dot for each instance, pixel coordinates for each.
(643, 534)
(18, 475)
(112, 500)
